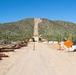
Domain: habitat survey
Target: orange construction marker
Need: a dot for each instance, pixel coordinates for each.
(58, 46)
(34, 46)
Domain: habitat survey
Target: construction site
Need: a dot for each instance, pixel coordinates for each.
(38, 56)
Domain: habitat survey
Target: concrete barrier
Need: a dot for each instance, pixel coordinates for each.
(72, 48)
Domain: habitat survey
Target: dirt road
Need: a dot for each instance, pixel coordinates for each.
(44, 61)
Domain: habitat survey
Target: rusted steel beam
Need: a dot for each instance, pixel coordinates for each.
(7, 50)
(3, 55)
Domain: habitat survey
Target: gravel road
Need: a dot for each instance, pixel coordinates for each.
(42, 61)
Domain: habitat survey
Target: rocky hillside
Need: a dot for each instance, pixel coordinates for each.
(17, 30)
(57, 30)
(51, 30)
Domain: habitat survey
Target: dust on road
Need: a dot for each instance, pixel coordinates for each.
(43, 61)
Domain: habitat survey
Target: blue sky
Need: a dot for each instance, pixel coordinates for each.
(15, 10)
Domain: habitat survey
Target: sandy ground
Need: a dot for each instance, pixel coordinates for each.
(44, 60)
